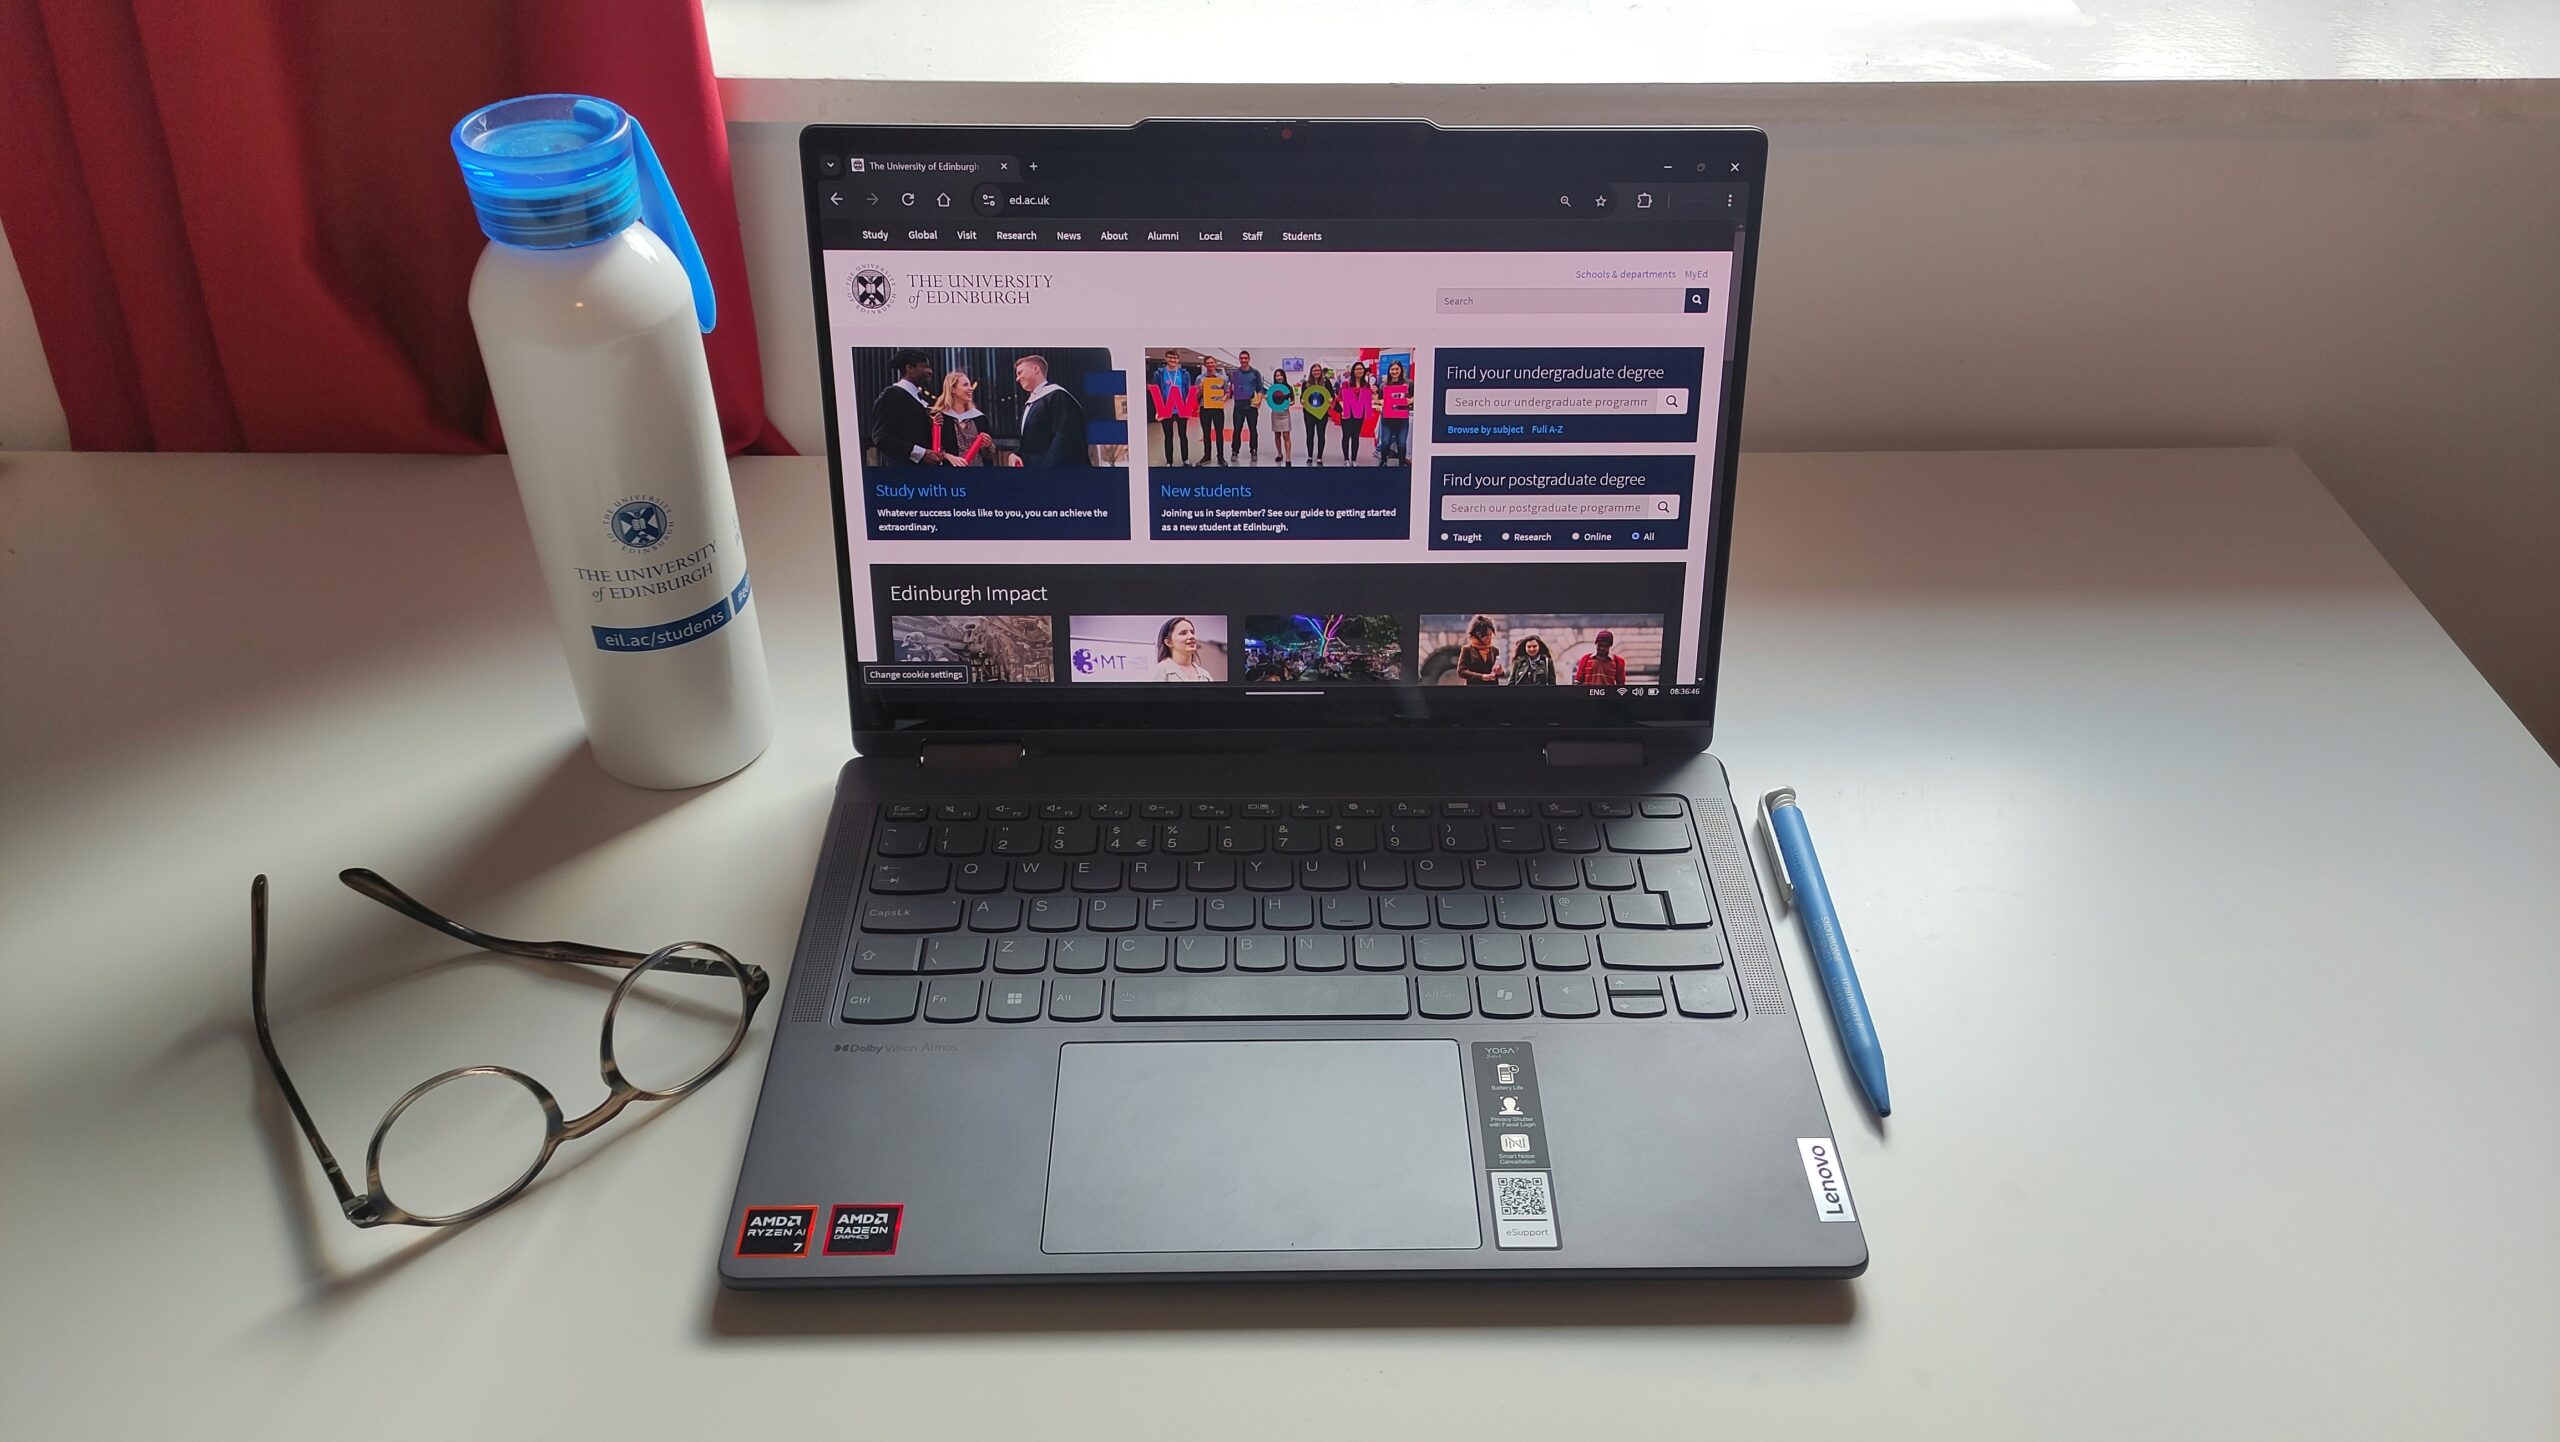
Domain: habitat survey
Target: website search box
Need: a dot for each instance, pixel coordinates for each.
(1566, 401)
(1560, 508)
(1562, 300)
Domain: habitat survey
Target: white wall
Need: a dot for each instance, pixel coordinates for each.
(30, 412)
(2368, 273)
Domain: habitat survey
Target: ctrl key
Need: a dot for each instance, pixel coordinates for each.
(869, 999)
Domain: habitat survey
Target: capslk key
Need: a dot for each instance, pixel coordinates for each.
(912, 914)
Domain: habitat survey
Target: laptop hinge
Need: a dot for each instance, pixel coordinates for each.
(1595, 753)
(971, 756)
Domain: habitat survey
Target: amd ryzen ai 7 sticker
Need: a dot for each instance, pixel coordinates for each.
(863, 1229)
(1823, 1177)
(1515, 1145)
(776, 1231)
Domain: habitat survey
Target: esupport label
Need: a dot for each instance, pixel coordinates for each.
(1515, 1145)
(1823, 1177)
(776, 1231)
(675, 633)
(864, 1229)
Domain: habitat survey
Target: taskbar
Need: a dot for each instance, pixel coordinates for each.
(904, 674)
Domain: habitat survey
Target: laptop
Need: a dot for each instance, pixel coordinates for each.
(1283, 566)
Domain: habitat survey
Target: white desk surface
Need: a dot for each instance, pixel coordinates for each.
(2205, 896)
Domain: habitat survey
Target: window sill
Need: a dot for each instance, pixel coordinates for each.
(797, 60)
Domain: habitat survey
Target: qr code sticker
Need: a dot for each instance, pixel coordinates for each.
(1522, 1196)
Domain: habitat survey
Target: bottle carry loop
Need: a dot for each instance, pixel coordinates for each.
(665, 217)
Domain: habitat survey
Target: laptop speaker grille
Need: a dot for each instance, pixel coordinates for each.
(813, 971)
(1746, 921)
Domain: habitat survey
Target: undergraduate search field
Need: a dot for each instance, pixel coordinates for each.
(1569, 401)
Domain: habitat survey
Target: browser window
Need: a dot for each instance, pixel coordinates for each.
(1281, 431)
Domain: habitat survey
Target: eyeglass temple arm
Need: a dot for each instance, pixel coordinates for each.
(356, 1207)
(371, 883)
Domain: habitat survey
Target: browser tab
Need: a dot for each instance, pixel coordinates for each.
(939, 169)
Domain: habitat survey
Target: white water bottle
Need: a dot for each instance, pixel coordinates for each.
(590, 304)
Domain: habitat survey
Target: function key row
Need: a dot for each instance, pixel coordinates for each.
(1657, 807)
(931, 875)
(1462, 836)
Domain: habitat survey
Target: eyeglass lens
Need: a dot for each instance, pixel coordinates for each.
(460, 1143)
(670, 1027)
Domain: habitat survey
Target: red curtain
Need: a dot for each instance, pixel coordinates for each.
(241, 227)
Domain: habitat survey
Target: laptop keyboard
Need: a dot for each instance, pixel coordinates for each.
(1300, 910)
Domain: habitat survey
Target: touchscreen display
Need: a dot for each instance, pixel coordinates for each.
(1278, 415)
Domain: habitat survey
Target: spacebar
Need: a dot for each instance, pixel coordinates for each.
(1258, 998)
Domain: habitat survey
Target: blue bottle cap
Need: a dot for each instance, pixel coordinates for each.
(547, 172)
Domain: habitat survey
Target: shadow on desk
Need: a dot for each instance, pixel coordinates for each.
(1278, 1304)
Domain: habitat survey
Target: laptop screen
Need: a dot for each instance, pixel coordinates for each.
(1229, 424)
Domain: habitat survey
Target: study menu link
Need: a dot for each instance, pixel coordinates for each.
(985, 503)
(1532, 503)
(1566, 395)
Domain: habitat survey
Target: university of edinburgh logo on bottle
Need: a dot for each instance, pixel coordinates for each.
(871, 288)
(639, 523)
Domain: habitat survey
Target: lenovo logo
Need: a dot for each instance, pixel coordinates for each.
(1823, 1177)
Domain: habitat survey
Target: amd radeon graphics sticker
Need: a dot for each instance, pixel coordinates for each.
(863, 1229)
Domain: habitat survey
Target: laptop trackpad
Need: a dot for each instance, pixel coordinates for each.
(1260, 1146)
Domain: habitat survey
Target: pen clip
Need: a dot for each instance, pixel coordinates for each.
(1783, 796)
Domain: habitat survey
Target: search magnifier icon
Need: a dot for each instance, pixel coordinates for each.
(1662, 508)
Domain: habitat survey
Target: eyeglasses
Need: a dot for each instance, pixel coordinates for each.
(462, 1134)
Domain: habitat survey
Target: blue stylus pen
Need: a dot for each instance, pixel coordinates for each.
(1800, 883)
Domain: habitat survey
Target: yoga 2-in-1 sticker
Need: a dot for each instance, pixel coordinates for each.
(1516, 1157)
(776, 1231)
(864, 1229)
